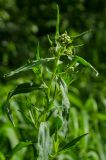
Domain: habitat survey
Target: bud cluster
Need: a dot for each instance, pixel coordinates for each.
(62, 45)
(64, 39)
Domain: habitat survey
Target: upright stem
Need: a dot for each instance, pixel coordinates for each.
(53, 75)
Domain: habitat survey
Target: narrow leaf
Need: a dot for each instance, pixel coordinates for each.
(29, 66)
(56, 125)
(18, 147)
(81, 34)
(25, 88)
(57, 23)
(51, 43)
(37, 54)
(72, 143)
(85, 63)
(9, 112)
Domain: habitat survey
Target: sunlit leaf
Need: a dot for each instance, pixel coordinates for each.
(2, 157)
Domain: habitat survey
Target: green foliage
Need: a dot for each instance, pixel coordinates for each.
(48, 142)
(70, 144)
(18, 147)
(47, 109)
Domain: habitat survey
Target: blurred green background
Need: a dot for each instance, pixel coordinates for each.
(24, 23)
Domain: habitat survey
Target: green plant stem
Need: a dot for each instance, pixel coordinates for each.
(53, 75)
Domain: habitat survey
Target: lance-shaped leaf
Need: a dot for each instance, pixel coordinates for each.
(25, 88)
(29, 66)
(85, 63)
(56, 125)
(18, 147)
(71, 143)
(81, 34)
(21, 88)
(57, 23)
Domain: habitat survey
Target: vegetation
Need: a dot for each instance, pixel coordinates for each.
(58, 101)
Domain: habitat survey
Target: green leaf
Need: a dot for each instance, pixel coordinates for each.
(85, 63)
(91, 105)
(72, 143)
(93, 155)
(100, 116)
(29, 66)
(9, 112)
(18, 147)
(2, 157)
(57, 23)
(56, 125)
(75, 100)
(50, 41)
(81, 34)
(74, 120)
(21, 88)
(25, 88)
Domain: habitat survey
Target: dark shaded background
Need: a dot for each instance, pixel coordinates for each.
(24, 23)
